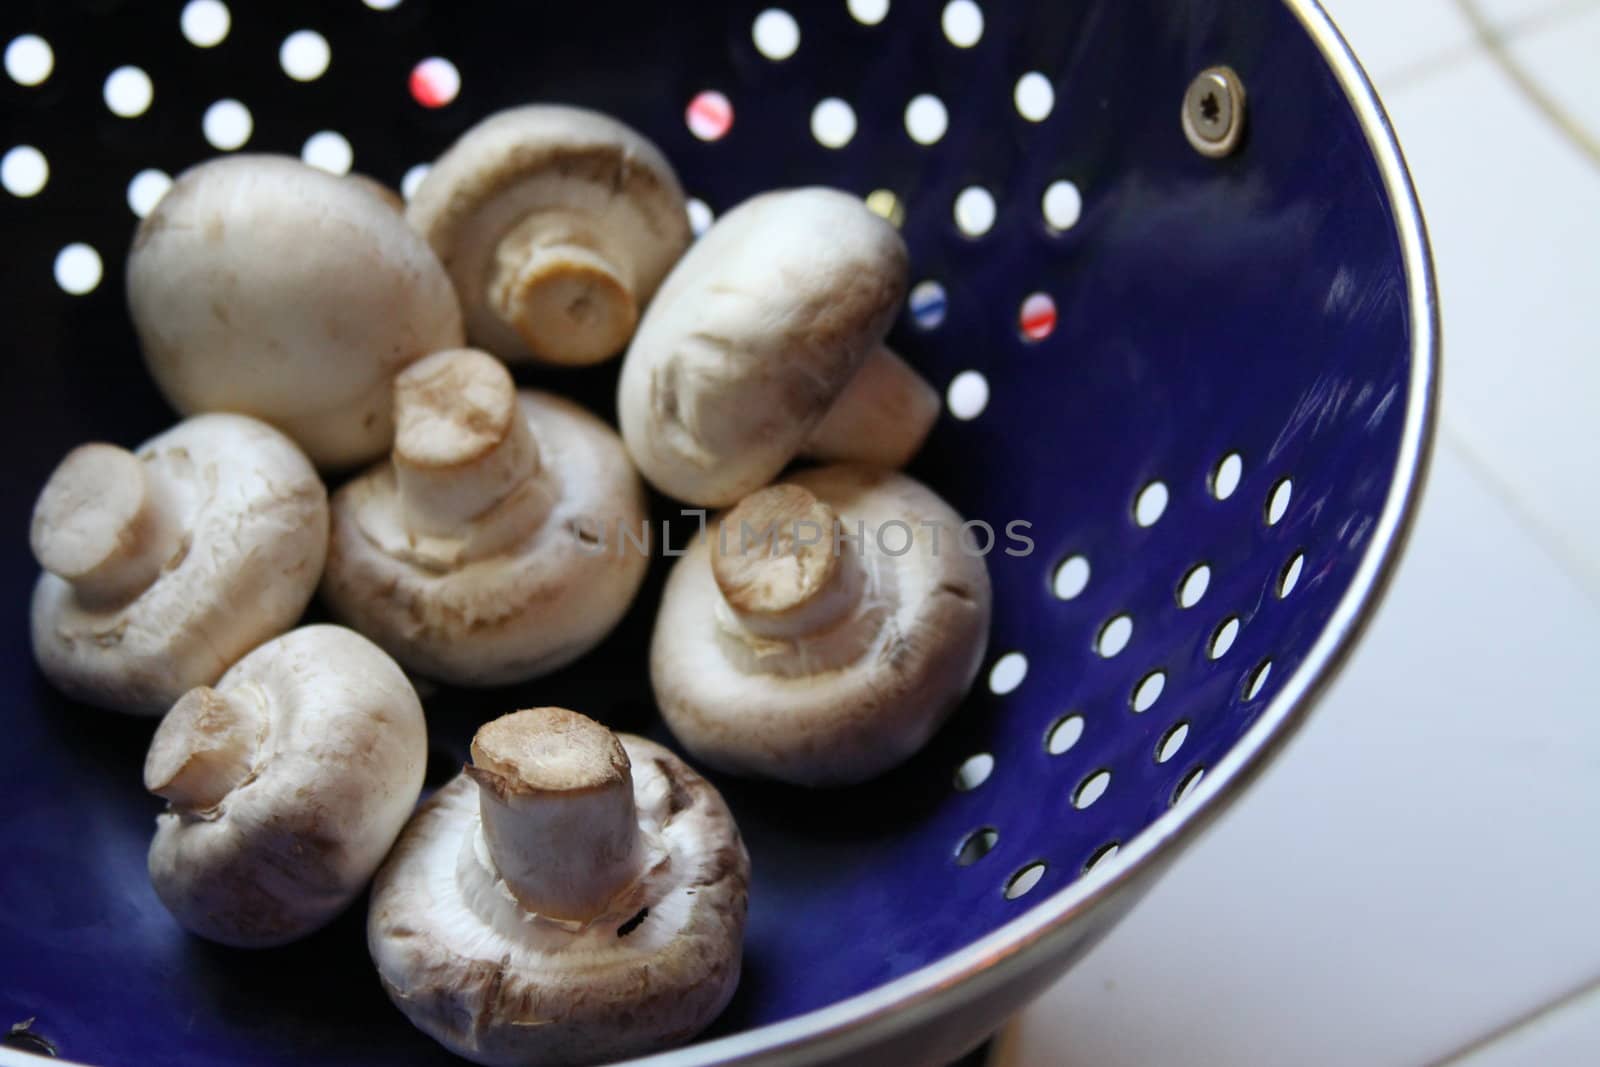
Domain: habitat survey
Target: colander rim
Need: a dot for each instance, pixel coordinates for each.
(1046, 929)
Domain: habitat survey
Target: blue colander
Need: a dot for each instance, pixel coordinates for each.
(1206, 382)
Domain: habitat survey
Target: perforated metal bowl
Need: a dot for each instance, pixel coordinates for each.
(1130, 314)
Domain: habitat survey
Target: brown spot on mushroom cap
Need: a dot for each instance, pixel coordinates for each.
(451, 408)
(774, 551)
(546, 750)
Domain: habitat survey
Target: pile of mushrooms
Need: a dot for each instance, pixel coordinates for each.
(573, 895)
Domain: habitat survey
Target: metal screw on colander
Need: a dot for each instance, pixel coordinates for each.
(1213, 112)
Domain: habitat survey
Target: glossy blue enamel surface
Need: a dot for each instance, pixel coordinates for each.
(1253, 305)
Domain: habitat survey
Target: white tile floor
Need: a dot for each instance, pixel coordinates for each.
(1414, 881)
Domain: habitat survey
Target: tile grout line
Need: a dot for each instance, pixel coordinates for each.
(1495, 40)
(1519, 1023)
(1545, 536)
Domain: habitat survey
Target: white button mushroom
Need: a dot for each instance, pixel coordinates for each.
(502, 540)
(765, 342)
(163, 567)
(821, 631)
(557, 225)
(285, 786)
(574, 897)
(266, 287)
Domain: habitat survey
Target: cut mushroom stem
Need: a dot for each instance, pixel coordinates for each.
(882, 416)
(104, 524)
(562, 289)
(782, 565)
(463, 446)
(206, 747)
(555, 795)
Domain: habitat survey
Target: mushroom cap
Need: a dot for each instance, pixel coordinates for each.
(254, 522)
(752, 338)
(843, 723)
(461, 960)
(262, 286)
(337, 773)
(508, 617)
(546, 159)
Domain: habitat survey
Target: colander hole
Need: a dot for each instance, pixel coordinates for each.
(1063, 205)
(78, 269)
(1091, 789)
(709, 115)
(1024, 880)
(128, 92)
(146, 190)
(382, 5)
(926, 119)
(1034, 96)
(974, 771)
(24, 171)
(1258, 680)
(412, 180)
(29, 60)
(700, 216)
(1150, 504)
(435, 82)
(868, 12)
(1225, 478)
(1114, 636)
(1103, 854)
(928, 305)
(1194, 585)
(1007, 673)
(1037, 317)
(975, 211)
(776, 34)
(887, 206)
(329, 151)
(205, 23)
(1187, 785)
(1222, 639)
(227, 125)
(1071, 578)
(305, 55)
(963, 23)
(1291, 574)
(976, 845)
(968, 395)
(833, 123)
(1063, 735)
(1148, 691)
(1278, 502)
(1172, 742)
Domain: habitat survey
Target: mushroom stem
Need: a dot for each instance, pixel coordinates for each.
(104, 524)
(205, 747)
(462, 444)
(881, 418)
(555, 793)
(565, 289)
(784, 565)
